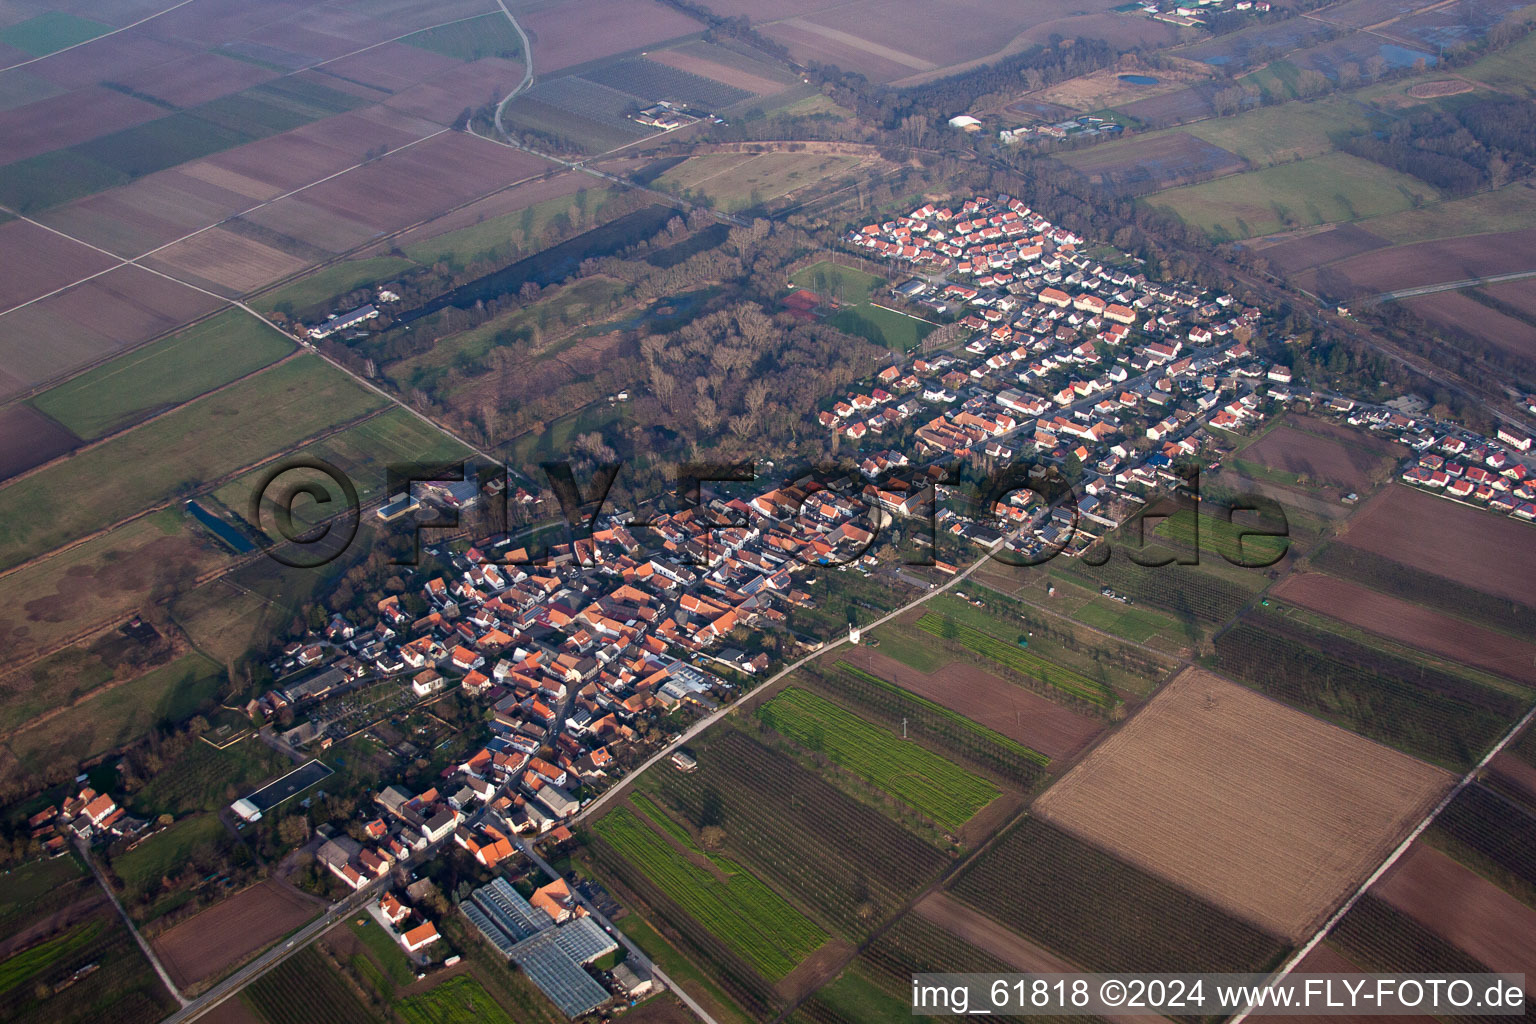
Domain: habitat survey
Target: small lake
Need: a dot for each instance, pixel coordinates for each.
(237, 541)
(1139, 79)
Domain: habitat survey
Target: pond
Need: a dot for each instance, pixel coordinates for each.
(1139, 79)
(237, 541)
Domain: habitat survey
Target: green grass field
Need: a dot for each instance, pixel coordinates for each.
(1270, 135)
(939, 789)
(50, 32)
(1510, 208)
(894, 330)
(1011, 655)
(16, 969)
(512, 234)
(165, 373)
(169, 693)
(733, 181)
(363, 452)
(327, 283)
(385, 950)
(489, 35)
(1332, 188)
(741, 911)
(49, 179)
(171, 456)
(1512, 69)
(165, 852)
(1128, 621)
(834, 280)
(459, 1000)
(1220, 538)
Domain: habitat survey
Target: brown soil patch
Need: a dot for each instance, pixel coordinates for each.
(1001, 706)
(233, 929)
(1491, 552)
(1512, 775)
(705, 68)
(1445, 259)
(1444, 87)
(1313, 249)
(1263, 810)
(28, 438)
(1322, 452)
(815, 970)
(1411, 624)
(1463, 908)
(1459, 312)
(585, 30)
(660, 1009)
(226, 261)
(984, 933)
(1324, 959)
(232, 1011)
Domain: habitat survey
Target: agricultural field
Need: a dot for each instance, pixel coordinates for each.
(199, 780)
(1379, 937)
(728, 900)
(923, 780)
(588, 30)
(114, 716)
(1196, 596)
(325, 284)
(986, 721)
(733, 182)
(1011, 654)
(1411, 583)
(520, 231)
(163, 374)
(1317, 452)
(649, 81)
(36, 984)
(302, 988)
(1490, 552)
(87, 322)
(1445, 718)
(1463, 908)
(1412, 624)
(254, 419)
(210, 942)
(1493, 836)
(1431, 262)
(459, 1000)
(98, 581)
(488, 35)
(161, 853)
(1327, 189)
(1242, 801)
(799, 832)
(1154, 161)
(50, 32)
(364, 452)
(1101, 913)
(1243, 541)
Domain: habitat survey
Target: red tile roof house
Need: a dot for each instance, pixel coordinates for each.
(420, 937)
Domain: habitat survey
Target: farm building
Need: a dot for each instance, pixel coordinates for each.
(965, 123)
(342, 321)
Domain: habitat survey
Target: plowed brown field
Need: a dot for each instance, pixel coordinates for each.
(1267, 812)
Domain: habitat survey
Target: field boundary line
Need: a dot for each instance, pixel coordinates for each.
(1393, 857)
(104, 35)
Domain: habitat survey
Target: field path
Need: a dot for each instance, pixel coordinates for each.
(1393, 857)
(1447, 286)
(149, 953)
(527, 81)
